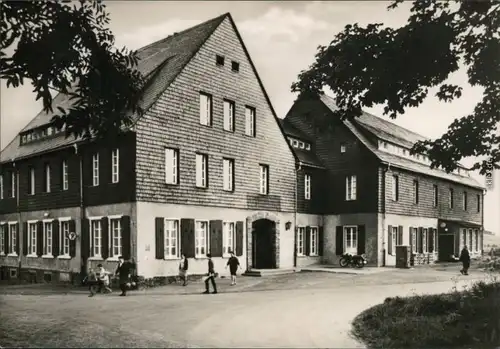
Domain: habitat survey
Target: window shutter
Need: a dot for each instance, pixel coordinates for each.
(389, 240)
(339, 240)
(320, 241)
(400, 235)
(308, 241)
(160, 237)
(430, 239)
(361, 239)
(411, 239)
(104, 238)
(25, 238)
(420, 239)
(85, 240)
(187, 237)
(17, 239)
(239, 238)
(126, 237)
(215, 231)
(6, 237)
(72, 243)
(55, 238)
(39, 239)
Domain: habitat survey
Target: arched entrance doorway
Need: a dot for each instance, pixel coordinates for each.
(264, 244)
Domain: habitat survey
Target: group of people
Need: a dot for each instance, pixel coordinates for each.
(98, 280)
(233, 263)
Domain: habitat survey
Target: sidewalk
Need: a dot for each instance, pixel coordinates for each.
(339, 270)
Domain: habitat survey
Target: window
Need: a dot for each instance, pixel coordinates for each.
(115, 160)
(301, 232)
(350, 188)
(395, 188)
(413, 232)
(13, 239)
(307, 187)
(219, 60)
(308, 146)
(32, 238)
(64, 231)
(2, 237)
(32, 181)
(95, 169)
(342, 147)
(171, 166)
(295, 143)
(65, 181)
(47, 178)
(116, 237)
(172, 239)
(425, 247)
(235, 66)
(314, 242)
(464, 199)
(415, 192)
(1, 186)
(302, 145)
(290, 141)
(228, 115)
(13, 184)
(435, 195)
(470, 239)
(201, 239)
(405, 152)
(250, 121)
(205, 109)
(478, 198)
(228, 172)
(264, 179)
(351, 239)
(96, 238)
(47, 238)
(450, 197)
(229, 238)
(201, 170)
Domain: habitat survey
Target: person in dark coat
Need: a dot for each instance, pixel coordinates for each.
(124, 271)
(465, 259)
(183, 268)
(233, 263)
(210, 275)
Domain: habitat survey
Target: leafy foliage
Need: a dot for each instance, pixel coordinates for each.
(67, 47)
(397, 67)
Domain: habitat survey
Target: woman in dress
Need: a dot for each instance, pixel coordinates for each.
(183, 268)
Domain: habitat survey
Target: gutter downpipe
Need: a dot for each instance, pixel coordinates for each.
(384, 177)
(295, 216)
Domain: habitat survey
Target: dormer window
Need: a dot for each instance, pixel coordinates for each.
(295, 143)
(342, 147)
(308, 146)
(302, 145)
(290, 141)
(50, 130)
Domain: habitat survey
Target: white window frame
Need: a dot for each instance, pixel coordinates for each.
(33, 238)
(64, 241)
(307, 187)
(65, 179)
(425, 240)
(2, 235)
(201, 170)
(314, 242)
(171, 229)
(12, 237)
(47, 248)
(13, 183)
(414, 239)
(343, 148)
(93, 254)
(351, 230)
(115, 165)
(301, 233)
(290, 141)
(295, 143)
(171, 166)
(394, 239)
(308, 146)
(205, 109)
(47, 178)
(264, 179)
(32, 181)
(95, 169)
(111, 237)
(350, 187)
(302, 145)
(228, 174)
(250, 120)
(198, 234)
(229, 238)
(229, 107)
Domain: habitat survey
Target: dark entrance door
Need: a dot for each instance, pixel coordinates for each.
(446, 247)
(263, 244)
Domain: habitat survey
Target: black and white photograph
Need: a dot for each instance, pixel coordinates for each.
(250, 174)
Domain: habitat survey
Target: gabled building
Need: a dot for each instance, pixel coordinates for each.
(194, 175)
(377, 196)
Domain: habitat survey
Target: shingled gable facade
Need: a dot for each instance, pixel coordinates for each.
(378, 196)
(193, 176)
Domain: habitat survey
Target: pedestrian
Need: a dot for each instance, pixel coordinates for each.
(183, 268)
(103, 279)
(123, 271)
(465, 259)
(91, 281)
(210, 276)
(233, 263)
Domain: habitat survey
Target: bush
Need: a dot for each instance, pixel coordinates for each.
(457, 319)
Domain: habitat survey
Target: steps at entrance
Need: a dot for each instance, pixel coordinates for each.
(269, 272)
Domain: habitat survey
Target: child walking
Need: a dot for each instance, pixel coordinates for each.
(233, 263)
(91, 280)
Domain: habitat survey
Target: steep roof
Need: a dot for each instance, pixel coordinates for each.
(305, 157)
(385, 127)
(292, 131)
(160, 62)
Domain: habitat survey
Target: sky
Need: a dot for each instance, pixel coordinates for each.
(282, 38)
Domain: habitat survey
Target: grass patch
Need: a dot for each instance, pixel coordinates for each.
(459, 319)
